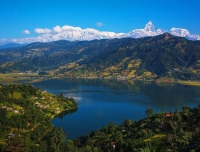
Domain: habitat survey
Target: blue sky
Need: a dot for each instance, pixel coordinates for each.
(115, 15)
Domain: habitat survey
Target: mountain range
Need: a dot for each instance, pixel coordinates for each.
(71, 33)
(11, 45)
(163, 55)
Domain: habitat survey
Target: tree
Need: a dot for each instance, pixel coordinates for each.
(87, 149)
(118, 136)
(127, 123)
(69, 146)
(149, 112)
(56, 140)
(111, 128)
(16, 142)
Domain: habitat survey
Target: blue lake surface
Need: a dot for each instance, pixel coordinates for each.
(104, 101)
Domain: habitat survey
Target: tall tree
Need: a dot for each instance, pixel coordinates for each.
(149, 112)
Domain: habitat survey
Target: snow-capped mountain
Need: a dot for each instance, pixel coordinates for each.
(76, 33)
(149, 30)
(184, 33)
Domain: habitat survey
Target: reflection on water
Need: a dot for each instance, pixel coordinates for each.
(103, 101)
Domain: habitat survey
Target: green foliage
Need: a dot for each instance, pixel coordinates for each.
(149, 112)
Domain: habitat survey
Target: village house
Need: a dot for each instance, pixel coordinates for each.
(10, 135)
(112, 144)
(15, 111)
(168, 114)
(41, 106)
(43, 92)
(35, 98)
(57, 110)
(9, 108)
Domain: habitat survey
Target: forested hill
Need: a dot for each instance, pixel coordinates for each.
(144, 58)
(161, 132)
(25, 117)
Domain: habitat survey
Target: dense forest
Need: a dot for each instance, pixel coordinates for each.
(25, 126)
(144, 58)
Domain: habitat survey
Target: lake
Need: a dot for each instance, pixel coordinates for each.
(104, 101)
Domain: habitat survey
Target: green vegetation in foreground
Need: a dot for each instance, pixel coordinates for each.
(25, 117)
(160, 132)
(25, 114)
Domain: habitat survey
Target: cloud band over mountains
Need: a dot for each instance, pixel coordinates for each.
(76, 33)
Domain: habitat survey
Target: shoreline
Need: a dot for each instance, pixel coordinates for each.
(64, 112)
(32, 78)
(190, 83)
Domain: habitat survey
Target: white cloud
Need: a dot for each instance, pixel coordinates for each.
(26, 31)
(57, 29)
(43, 31)
(100, 24)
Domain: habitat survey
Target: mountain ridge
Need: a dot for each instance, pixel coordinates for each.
(127, 58)
(11, 45)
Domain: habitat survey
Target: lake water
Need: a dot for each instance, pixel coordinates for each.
(104, 101)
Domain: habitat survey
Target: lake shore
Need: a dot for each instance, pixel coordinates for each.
(192, 83)
(64, 112)
(32, 78)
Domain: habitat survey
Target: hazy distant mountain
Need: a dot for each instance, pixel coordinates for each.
(11, 45)
(71, 33)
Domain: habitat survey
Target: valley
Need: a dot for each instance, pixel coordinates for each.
(99, 76)
(108, 77)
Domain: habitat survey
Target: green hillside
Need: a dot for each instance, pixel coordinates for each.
(160, 132)
(25, 117)
(145, 58)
